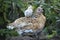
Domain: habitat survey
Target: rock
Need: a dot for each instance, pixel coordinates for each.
(21, 38)
(29, 24)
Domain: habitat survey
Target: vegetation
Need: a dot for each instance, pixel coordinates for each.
(13, 9)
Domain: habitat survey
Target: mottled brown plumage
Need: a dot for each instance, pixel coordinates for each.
(34, 23)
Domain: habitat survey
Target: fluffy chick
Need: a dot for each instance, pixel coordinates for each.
(29, 11)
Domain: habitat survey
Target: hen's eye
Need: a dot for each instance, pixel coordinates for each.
(39, 10)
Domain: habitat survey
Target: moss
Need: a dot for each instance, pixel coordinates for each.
(6, 32)
(1, 20)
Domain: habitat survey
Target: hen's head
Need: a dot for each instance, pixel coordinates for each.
(39, 10)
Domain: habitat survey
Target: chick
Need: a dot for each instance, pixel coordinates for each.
(29, 11)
